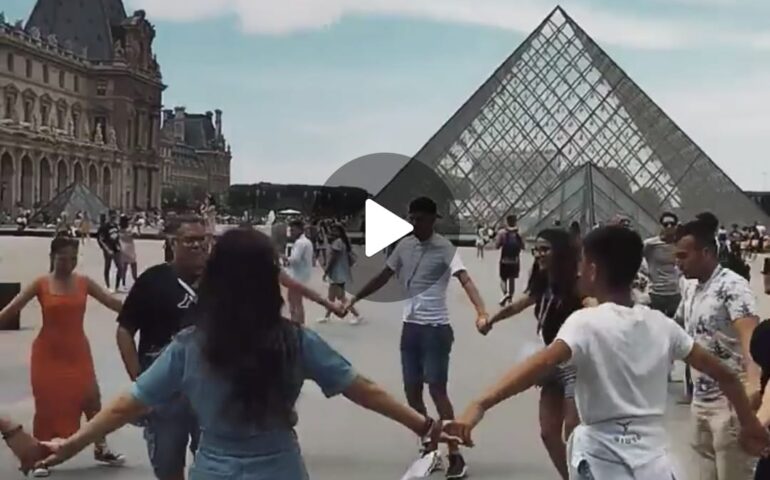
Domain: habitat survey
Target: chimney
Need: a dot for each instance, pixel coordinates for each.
(168, 115)
(218, 123)
(179, 123)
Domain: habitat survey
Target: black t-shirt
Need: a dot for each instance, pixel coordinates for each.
(109, 236)
(157, 307)
(551, 309)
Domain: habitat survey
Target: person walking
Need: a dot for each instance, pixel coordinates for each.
(63, 379)
(481, 240)
(553, 291)
(156, 309)
(127, 251)
(242, 369)
(621, 352)
(299, 267)
(338, 270)
(108, 238)
(659, 253)
(85, 229)
(720, 313)
(510, 244)
(424, 262)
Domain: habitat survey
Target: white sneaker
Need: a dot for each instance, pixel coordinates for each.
(356, 320)
(41, 472)
(323, 320)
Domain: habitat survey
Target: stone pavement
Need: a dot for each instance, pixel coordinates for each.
(340, 441)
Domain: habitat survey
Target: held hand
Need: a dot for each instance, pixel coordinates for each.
(27, 449)
(463, 426)
(483, 324)
(60, 451)
(339, 309)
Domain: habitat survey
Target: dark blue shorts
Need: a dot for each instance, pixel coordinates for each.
(425, 351)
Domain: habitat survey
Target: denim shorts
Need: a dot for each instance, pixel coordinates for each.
(425, 351)
(168, 430)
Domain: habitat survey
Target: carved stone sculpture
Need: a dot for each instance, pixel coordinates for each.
(70, 126)
(35, 32)
(53, 40)
(118, 50)
(112, 137)
(98, 136)
(35, 122)
(2, 17)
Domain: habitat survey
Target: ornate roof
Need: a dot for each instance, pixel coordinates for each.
(87, 23)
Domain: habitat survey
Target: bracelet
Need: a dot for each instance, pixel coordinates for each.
(8, 434)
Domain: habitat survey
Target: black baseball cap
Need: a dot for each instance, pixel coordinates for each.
(424, 205)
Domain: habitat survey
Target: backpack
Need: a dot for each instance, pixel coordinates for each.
(511, 245)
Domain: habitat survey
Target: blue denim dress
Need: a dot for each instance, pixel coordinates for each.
(230, 450)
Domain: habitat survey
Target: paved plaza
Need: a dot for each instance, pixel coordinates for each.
(340, 441)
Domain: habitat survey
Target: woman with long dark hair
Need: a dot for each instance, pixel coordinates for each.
(242, 369)
(553, 291)
(62, 370)
(338, 270)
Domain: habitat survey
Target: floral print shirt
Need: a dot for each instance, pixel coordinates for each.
(708, 311)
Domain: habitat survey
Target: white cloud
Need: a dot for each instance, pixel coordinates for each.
(624, 29)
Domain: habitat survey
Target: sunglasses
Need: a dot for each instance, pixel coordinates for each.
(669, 224)
(541, 250)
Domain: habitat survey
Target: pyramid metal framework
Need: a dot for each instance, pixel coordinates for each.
(588, 196)
(73, 199)
(557, 103)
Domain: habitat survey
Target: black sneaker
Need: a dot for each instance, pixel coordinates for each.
(457, 467)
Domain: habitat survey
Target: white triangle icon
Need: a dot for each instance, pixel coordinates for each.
(382, 228)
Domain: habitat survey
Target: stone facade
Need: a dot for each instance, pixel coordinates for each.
(195, 153)
(85, 108)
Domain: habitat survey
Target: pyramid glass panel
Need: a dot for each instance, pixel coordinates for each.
(557, 103)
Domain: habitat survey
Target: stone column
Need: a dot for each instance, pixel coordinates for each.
(17, 180)
(36, 179)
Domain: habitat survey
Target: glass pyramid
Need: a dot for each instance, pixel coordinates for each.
(557, 103)
(73, 199)
(590, 197)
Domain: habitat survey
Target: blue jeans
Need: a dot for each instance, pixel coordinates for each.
(266, 456)
(425, 351)
(168, 430)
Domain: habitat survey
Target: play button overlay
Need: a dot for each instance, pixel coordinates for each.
(382, 228)
(373, 197)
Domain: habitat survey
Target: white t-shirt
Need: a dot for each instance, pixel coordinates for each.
(424, 270)
(622, 356)
(301, 260)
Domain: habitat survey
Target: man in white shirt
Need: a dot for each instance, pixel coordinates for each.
(424, 263)
(622, 354)
(299, 267)
(720, 312)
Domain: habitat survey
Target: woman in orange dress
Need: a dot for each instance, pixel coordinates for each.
(62, 369)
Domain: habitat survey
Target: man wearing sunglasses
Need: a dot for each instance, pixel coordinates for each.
(660, 255)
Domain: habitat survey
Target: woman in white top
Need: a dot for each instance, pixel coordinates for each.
(338, 270)
(622, 353)
(127, 251)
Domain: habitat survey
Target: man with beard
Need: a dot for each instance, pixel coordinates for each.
(157, 308)
(720, 313)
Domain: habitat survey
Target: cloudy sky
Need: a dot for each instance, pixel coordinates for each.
(308, 84)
